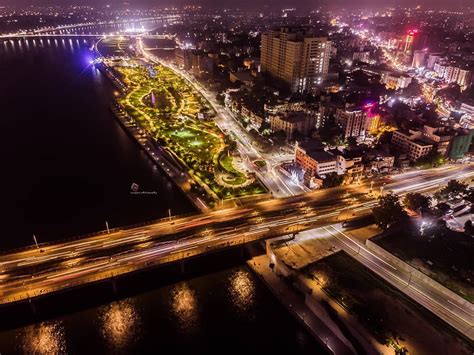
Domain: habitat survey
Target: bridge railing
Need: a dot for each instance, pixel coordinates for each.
(100, 232)
(130, 268)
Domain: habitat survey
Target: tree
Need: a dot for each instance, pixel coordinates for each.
(389, 211)
(452, 190)
(330, 133)
(333, 180)
(414, 201)
(265, 126)
(433, 159)
(232, 146)
(352, 141)
(413, 89)
(279, 137)
(469, 228)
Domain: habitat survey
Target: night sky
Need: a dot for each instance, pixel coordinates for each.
(248, 3)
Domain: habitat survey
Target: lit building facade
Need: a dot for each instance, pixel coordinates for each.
(292, 122)
(411, 144)
(352, 121)
(295, 57)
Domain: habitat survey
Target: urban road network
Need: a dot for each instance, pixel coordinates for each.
(32, 272)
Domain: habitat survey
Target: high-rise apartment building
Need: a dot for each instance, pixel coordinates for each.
(352, 121)
(419, 58)
(295, 56)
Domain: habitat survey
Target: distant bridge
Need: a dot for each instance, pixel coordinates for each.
(96, 35)
(65, 31)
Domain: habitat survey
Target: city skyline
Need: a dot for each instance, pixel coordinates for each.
(269, 178)
(251, 5)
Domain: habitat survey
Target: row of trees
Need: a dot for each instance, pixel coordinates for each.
(391, 211)
(454, 189)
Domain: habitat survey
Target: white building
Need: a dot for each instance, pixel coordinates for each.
(411, 144)
(352, 122)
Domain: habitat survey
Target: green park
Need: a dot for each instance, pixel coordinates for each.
(180, 119)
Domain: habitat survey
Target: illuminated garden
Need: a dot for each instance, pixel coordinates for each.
(179, 119)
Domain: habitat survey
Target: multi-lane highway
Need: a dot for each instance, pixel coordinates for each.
(444, 305)
(32, 272)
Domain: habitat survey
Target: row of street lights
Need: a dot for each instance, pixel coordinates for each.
(381, 188)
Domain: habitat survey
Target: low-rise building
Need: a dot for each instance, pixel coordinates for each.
(411, 144)
(349, 163)
(255, 119)
(361, 56)
(437, 136)
(313, 159)
(378, 161)
(395, 81)
(292, 122)
(244, 77)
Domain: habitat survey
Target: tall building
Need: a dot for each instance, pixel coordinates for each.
(414, 40)
(464, 78)
(419, 58)
(352, 121)
(296, 57)
(451, 74)
(183, 58)
(409, 40)
(460, 144)
(434, 58)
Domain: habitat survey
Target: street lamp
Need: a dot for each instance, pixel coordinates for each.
(36, 243)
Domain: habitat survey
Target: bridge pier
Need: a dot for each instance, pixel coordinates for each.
(32, 306)
(114, 285)
(181, 266)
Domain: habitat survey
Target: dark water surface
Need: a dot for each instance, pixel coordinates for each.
(226, 312)
(66, 167)
(66, 164)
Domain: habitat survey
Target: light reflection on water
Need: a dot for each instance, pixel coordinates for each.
(119, 324)
(184, 305)
(230, 307)
(242, 290)
(43, 338)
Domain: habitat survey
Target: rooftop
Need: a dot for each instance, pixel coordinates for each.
(312, 145)
(294, 117)
(321, 156)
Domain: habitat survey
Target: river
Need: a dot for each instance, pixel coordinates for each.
(67, 167)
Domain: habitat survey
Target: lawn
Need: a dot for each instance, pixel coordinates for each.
(167, 108)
